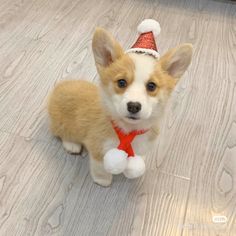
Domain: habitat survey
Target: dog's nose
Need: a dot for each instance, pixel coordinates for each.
(134, 107)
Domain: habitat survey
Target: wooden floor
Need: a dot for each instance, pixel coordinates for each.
(191, 175)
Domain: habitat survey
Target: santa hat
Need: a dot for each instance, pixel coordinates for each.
(148, 31)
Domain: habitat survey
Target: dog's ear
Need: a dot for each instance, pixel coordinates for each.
(105, 48)
(176, 61)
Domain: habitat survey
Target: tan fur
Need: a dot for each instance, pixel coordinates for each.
(122, 69)
(77, 113)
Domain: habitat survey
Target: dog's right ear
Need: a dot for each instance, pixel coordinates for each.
(105, 48)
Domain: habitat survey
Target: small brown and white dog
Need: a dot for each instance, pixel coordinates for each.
(133, 92)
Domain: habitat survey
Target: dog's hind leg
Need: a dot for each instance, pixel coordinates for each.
(73, 148)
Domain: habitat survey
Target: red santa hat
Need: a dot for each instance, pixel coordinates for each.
(148, 31)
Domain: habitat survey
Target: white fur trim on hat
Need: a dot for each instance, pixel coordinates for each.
(115, 161)
(148, 25)
(145, 51)
(135, 167)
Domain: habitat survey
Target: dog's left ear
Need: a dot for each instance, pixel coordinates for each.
(176, 61)
(105, 48)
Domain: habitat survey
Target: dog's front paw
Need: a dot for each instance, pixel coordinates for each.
(104, 182)
(98, 173)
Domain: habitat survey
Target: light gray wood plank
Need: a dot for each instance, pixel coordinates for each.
(202, 97)
(212, 189)
(36, 178)
(45, 191)
(161, 197)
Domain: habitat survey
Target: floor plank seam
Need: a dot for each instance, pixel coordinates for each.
(176, 176)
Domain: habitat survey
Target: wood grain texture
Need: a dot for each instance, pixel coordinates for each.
(191, 173)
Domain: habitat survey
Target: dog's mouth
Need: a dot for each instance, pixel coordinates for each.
(132, 119)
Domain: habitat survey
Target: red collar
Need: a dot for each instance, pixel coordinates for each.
(126, 139)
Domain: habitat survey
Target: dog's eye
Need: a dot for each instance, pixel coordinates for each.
(122, 83)
(151, 86)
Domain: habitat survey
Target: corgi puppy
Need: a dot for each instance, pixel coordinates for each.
(133, 92)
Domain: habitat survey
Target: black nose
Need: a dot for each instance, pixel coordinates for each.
(134, 107)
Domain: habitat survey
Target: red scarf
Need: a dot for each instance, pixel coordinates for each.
(126, 139)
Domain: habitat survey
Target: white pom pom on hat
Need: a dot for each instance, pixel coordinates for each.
(149, 25)
(148, 29)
